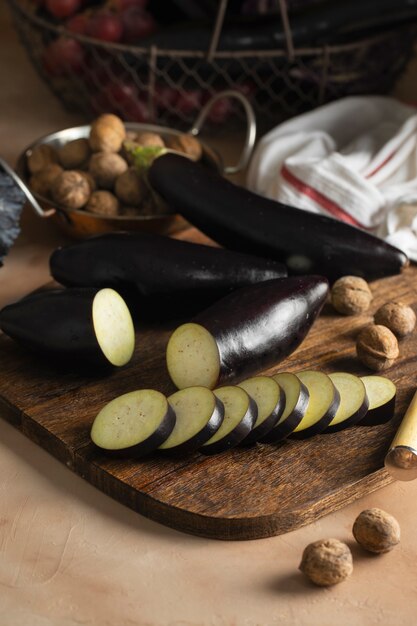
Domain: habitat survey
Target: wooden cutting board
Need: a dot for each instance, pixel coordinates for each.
(246, 493)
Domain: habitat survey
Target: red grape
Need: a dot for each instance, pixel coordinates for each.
(78, 24)
(137, 24)
(220, 111)
(165, 97)
(63, 8)
(137, 111)
(63, 56)
(105, 26)
(189, 102)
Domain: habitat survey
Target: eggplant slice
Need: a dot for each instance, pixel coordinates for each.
(296, 403)
(322, 405)
(353, 401)
(199, 415)
(240, 413)
(381, 394)
(133, 424)
(270, 400)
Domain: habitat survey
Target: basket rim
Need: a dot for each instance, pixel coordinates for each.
(17, 6)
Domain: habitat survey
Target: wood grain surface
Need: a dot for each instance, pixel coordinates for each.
(245, 493)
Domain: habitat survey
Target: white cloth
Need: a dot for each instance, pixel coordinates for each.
(354, 159)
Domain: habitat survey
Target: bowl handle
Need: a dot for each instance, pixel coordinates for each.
(250, 130)
(29, 195)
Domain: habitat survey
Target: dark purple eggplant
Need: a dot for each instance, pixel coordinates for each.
(296, 403)
(133, 424)
(199, 414)
(354, 402)
(242, 220)
(240, 413)
(73, 325)
(323, 402)
(245, 332)
(270, 400)
(157, 274)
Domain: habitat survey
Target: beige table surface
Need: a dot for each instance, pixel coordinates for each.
(71, 556)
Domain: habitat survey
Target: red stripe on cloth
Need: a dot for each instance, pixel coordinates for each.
(327, 204)
(381, 165)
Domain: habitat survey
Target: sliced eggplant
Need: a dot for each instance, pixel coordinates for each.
(240, 413)
(134, 424)
(159, 274)
(82, 325)
(296, 403)
(199, 415)
(353, 401)
(246, 332)
(322, 406)
(270, 400)
(381, 394)
(238, 219)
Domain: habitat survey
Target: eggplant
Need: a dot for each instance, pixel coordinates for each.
(240, 413)
(270, 400)
(381, 394)
(296, 403)
(242, 220)
(133, 424)
(245, 332)
(199, 414)
(322, 406)
(157, 274)
(85, 326)
(354, 401)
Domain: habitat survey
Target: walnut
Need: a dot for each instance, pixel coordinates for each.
(377, 347)
(90, 180)
(71, 190)
(149, 139)
(327, 562)
(105, 168)
(396, 316)
(130, 188)
(103, 203)
(107, 133)
(40, 157)
(351, 295)
(41, 182)
(187, 144)
(74, 154)
(376, 531)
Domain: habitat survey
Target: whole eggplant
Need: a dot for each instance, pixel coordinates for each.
(76, 327)
(245, 332)
(242, 220)
(157, 274)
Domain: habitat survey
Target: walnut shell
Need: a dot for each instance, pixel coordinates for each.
(396, 316)
(351, 295)
(107, 134)
(376, 531)
(71, 190)
(187, 144)
(103, 203)
(149, 139)
(42, 181)
(90, 180)
(377, 347)
(130, 188)
(105, 168)
(327, 562)
(40, 157)
(74, 154)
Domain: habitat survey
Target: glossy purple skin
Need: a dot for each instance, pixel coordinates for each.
(260, 325)
(237, 435)
(206, 433)
(323, 423)
(353, 419)
(380, 415)
(261, 431)
(238, 219)
(281, 431)
(159, 273)
(56, 323)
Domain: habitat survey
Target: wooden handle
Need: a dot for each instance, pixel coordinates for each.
(401, 460)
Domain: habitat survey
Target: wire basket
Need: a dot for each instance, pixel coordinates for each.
(168, 86)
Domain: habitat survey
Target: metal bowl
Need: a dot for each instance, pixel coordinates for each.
(81, 223)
